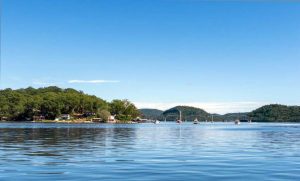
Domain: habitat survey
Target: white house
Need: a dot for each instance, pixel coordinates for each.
(112, 118)
(65, 117)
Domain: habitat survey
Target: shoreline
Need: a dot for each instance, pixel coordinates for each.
(131, 122)
(77, 121)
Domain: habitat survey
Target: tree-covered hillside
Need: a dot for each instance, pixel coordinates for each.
(187, 112)
(233, 116)
(152, 114)
(276, 113)
(268, 113)
(51, 102)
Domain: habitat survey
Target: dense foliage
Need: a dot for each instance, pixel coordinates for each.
(124, 110)
(276, 113)
(51, 102)
(268, 113)
(187, 112)
(152, 114)
(233, 116)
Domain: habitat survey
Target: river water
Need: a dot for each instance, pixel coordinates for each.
(166, 151)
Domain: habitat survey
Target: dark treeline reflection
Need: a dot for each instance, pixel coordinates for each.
(69, 137)
(279, 139)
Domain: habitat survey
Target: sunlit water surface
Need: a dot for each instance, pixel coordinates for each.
(31, 151)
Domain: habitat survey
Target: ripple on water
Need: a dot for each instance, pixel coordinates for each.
(149, 152)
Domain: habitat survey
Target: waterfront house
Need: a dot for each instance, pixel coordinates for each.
(38, 118)
(78, 116)
(140, 120)
(89, 114)
(111, 119)
(65, 117)
(4, 118)
(97, 120)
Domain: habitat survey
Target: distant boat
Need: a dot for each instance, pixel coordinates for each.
(196, 121)
(237, 121)
(156, 122)
(179, 120)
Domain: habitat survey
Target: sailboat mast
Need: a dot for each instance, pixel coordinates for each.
(180, 116)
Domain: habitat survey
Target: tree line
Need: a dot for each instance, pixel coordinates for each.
(51, 102)
(267, 113)
(276, 113)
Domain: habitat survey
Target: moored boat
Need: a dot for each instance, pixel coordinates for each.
(196, 121)
(179, 120)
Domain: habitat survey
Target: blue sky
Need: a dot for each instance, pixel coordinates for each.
(222, 56)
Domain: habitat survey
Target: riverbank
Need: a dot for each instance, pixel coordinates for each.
(63, 121)
(80, 121)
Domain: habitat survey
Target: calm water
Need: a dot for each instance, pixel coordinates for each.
(149, 152)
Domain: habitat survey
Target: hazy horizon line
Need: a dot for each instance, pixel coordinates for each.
(210, 107)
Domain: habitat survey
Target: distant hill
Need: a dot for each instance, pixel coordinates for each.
(268, 113)
(51, 102)
(233, 116)
(276, 113)
(151, 114)
(188, 113)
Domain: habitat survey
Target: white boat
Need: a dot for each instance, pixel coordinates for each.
(179, 120)
(156, 122)
(196, 121)
(237, 121)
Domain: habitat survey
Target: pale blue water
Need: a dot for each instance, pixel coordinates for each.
(149, 152)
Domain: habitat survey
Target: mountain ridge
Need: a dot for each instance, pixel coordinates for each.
(267, 113)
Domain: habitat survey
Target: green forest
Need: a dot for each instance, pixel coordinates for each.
(276, 113)
(267, 113)
(51, 102)
(187, 112)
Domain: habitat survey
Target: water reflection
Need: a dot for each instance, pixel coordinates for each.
(150, 152)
